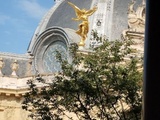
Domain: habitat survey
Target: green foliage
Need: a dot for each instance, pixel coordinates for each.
(103, 84)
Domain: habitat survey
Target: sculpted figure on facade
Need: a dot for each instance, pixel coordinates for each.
(136, 19)
(136, 22)
(82, 15)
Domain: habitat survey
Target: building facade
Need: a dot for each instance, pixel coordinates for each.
(114, 19)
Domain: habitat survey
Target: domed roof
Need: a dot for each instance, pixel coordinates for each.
(64, 13)
(60, 15)
(57, 30)
(112, 15)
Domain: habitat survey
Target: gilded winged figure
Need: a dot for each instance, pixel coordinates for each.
(82, 15)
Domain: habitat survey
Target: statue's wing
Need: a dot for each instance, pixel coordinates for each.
(77, 10)
(90, 12)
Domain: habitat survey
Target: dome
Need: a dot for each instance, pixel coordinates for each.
(57, 29)
(60, 15)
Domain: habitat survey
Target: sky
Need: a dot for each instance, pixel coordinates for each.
(18, 21)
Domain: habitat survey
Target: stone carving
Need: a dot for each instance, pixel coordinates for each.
(136, 22)
(14, 67)
(109, 5)
(99, 19)
(82, 15)
(1, 66)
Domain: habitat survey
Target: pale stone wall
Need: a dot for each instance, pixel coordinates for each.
(12, 90)
(10, 108)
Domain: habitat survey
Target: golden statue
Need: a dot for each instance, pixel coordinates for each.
(82, 15)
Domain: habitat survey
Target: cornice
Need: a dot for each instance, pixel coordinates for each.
(15, 56)
(13, 92)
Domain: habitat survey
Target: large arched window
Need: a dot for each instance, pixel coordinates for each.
(45, 50)
(49, 60)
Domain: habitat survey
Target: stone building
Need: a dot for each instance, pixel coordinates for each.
(114, 19)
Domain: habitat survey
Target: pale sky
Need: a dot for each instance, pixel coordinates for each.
(18, 21)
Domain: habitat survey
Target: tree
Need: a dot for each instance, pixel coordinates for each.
(103, 84)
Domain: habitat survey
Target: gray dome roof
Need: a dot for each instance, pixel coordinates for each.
(64, 13)
(113, 15)
(60, 15)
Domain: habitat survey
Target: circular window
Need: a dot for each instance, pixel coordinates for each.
(50, 62)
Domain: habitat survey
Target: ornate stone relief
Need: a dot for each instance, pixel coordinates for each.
(101, 19)
(14, 67)
(109, 5)
(136, 22)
